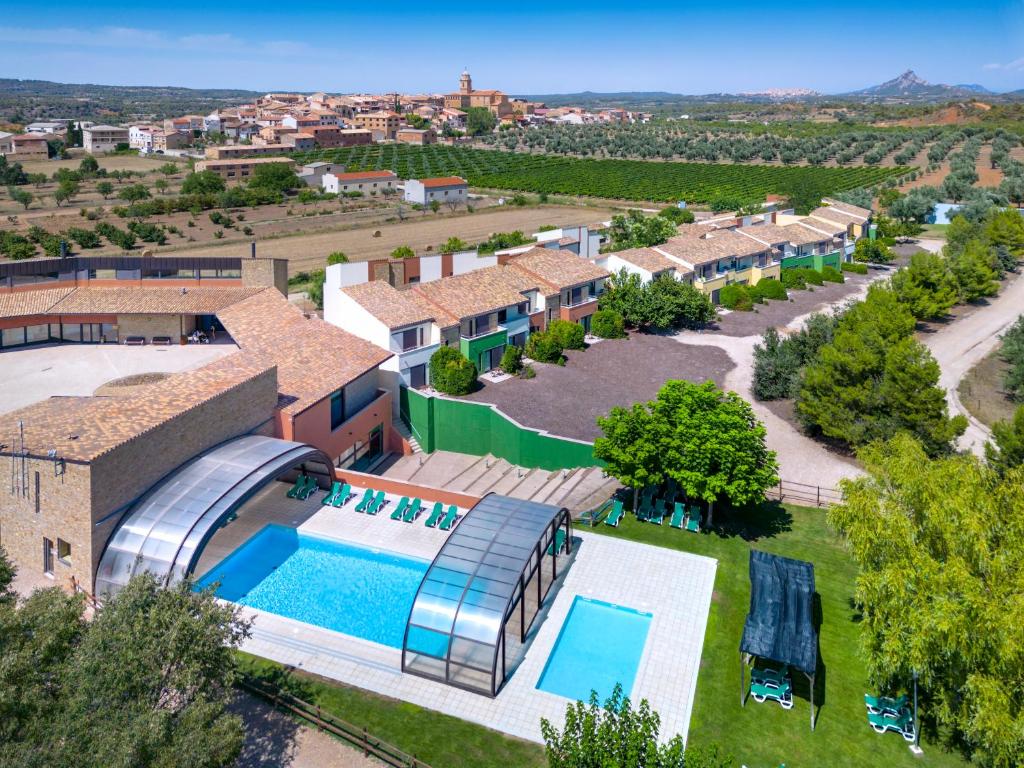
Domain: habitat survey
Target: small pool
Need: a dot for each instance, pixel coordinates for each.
(361, 592)
(599, 645)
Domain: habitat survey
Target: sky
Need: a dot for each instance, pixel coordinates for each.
(525, 47)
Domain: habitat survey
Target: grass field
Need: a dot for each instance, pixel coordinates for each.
(762, 735)
(620, 179)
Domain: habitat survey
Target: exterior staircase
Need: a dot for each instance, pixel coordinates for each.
(399, 426)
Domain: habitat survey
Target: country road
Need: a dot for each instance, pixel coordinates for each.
(963, 343)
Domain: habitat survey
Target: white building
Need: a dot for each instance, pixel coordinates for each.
(103, 138)
(313, 174)
(141, 137)
(445, 189)
(364, 182)
(212, 123)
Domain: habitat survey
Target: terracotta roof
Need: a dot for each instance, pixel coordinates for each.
(313, 357)
(835, 215)
(443, 181)
(364, 175)
(854, 210)
(396, 308)
(649, 259)
(773, 234)
(83, 428)
(830, 228)
(558, 269)
(473, 293)
(30, 302)
(715, 245)
(20, 137)
(151, 300)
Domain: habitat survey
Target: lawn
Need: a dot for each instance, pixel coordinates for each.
(439, 740)
(762, 735)
(934, 231)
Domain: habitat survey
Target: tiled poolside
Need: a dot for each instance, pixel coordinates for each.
(675, 587)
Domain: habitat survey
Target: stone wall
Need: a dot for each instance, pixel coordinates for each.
(155, 325)
(259, 272)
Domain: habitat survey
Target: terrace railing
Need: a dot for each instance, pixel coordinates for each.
(312, 714)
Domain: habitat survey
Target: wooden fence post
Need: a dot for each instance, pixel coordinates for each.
(366, 743)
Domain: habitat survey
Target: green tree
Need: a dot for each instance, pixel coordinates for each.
(776, 367)
(479, 121)
(274, 177)
(453, 245)
(872, 251)
(511, 359)
(315, 288)
(133, 193)
(677, 215)
(1013, 188)
(403, 252)
(635, 230)
(337, 257)
(1006, 449)
(568, 334)
(628, 447)
(105, 188)
(435, 206)
(926, 287)
(21, 196)
(89, 166)
(712, 444)
(37, 179)
(607, 324)
(451, 372)
(613, 734)
(160, 185)
(1006, 229)
(940, 550)
(973, 270)
(1012, 352)
(544, 347)
(204, 182)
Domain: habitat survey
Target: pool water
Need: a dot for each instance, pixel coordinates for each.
(599, 645)
(362, 592)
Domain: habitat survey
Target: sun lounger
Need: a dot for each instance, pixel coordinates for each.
(300, 483)
(678, 516)
(615, 515)
(342, 496)
(435, 515)
(307, 490)
(413, 510)
(781, 692)
(400, 509)
(882, 704)
(377, 504)
(693, 520)
(767, 674)
(450, 518)
(555, 547)
(902, 723)
(365, 501)
(644, 510)
(335, 490)
(657, 511)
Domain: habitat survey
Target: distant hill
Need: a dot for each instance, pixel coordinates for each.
(974, 87)
(910, 87)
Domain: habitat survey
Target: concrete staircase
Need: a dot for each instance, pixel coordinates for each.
(399, 426)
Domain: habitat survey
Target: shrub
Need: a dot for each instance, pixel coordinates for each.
(511, 360)
(607, 324)
(149, 233)
(451, 372)
(543, 348)
(813, 276)
(770, 289)
(567, 334)
(527, 372)
(794, 280)
(854, 267)
(403, 252)
(832, 275)
(736, 296)
(85, 238)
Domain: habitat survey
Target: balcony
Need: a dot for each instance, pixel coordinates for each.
(500, 327)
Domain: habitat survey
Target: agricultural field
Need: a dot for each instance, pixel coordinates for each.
(615, 179)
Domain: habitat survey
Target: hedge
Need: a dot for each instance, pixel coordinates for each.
(832, 275)
(451, 372)
(855, 267)
(768, 288)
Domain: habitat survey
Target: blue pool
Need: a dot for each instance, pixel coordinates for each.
(600, 644)
(360, 592)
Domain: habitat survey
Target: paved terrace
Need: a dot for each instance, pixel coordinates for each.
(674, 586)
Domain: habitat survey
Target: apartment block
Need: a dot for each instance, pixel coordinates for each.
(241, 168)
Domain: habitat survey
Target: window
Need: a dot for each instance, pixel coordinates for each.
(337, 409)
(523, 308)
(63, 552)
(47, 556)
(502, 315)
(412, 338)
(418, 376)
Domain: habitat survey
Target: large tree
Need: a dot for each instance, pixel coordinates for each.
(202, 183)
(480, 121)
(940, 546)
(1006, 449)
(926, 287)
(629, 447)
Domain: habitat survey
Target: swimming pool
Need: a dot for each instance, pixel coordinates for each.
(361, 592)
(599, 645)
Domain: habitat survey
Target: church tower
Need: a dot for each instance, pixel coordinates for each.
(465, 83)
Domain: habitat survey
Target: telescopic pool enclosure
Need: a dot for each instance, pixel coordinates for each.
(482, 593)
(164, 532)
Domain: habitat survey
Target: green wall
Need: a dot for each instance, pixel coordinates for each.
(474, 348)
(445, 424)
(816, 262)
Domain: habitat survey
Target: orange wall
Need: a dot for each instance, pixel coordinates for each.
(313, 426)
(425, 493)
(580, 310)
(210, 282)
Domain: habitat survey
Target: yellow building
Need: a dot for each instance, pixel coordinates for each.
(466, 97)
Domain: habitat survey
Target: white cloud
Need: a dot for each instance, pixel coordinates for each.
(1017, 65)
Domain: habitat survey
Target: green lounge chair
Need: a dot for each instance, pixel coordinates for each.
(400, 509)
(412, 511)
(342, 496)
(768, 690)
(555, 547)
(307, 491)
(365, 501)
(767, 674)
(878, 705)
(658, 510)
(902, 723)
(435, 515)
(644, 511)
(300, 483)
(693, 520)
(377, 504)
(450, 517)
(335, 490)
(615, 515)
(678, 516)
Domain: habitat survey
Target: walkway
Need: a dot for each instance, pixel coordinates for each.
(963, 343)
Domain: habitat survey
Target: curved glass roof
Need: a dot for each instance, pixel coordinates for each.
(164, 532)
(456, 626)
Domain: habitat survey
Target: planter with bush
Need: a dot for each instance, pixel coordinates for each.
(832, 275)
(451, 372)
(736, 297)
(768, 288)
(854, 267)
(512, 360)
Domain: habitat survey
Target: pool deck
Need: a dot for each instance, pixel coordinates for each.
(674, 586)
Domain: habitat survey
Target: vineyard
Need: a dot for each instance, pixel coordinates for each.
(616, 179)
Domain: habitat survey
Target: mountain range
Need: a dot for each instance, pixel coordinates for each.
(909, 87)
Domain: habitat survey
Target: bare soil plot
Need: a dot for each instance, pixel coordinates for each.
(987, 175)
(309, 251)
(566, 400)
(982, 394)
(133, 162)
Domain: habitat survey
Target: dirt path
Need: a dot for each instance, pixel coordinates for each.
(420, 231)
(960, 345)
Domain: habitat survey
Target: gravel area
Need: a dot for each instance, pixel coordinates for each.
(566, 400)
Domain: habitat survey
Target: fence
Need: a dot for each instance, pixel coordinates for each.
(312, 714)
(801, 493)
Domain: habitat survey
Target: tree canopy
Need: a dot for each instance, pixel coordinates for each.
(635, 230)
(660, 304)
(940, 546)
